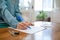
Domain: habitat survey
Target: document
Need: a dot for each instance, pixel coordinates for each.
(32, 30)
(38, 26)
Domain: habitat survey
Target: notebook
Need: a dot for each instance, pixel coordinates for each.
(34, 29)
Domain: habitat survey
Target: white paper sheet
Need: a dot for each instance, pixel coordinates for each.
(38, 26)
(32, 30)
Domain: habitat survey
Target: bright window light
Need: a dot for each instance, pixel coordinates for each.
(45, 5)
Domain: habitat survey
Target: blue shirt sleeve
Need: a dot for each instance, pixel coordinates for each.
(7, 16)
(19, 18)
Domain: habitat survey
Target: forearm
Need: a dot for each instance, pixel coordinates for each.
(8, 18)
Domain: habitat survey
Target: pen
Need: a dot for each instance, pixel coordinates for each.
(21, 19)
(29, 27)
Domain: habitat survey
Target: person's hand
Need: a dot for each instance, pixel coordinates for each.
(24, 25)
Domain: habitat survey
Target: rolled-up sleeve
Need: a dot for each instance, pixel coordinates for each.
(8, 18)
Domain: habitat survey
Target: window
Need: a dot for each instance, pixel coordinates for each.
(45, 5)
(24, 4)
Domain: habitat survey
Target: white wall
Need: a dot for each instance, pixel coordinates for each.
(56, 12)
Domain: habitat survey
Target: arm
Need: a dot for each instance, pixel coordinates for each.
(8, 18)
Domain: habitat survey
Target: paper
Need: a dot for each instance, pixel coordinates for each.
(38, 26)
(32, 30)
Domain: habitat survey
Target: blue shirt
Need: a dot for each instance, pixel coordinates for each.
(10, 12)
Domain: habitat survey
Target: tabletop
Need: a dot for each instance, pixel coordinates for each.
(25, 36)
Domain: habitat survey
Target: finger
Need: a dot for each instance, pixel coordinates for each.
(23, 28)
(26, 24)
(22, 25)
(29, 23)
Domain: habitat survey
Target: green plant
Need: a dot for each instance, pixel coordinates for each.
(42, 15)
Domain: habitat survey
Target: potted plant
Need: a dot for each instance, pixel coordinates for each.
(41, 16)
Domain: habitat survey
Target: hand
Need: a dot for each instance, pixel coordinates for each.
(24, 25)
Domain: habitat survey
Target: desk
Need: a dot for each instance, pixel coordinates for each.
(42, 35)
(5, 35)
(23, 36)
